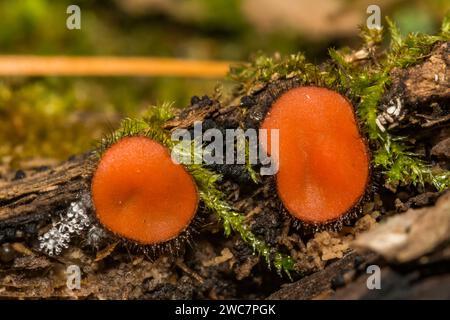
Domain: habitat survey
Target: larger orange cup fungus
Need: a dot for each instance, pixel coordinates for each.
(323, 158)
(140, 194)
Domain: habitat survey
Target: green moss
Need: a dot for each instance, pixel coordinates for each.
(37, 113)
(263, 69)
(256, 178)
(403, 167)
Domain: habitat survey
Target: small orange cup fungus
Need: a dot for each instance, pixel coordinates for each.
(323, 159)
(139, 193)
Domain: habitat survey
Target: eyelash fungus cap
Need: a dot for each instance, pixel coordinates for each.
(140, 194)
(323, 158)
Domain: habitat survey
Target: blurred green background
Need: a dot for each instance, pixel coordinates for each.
(55, 117)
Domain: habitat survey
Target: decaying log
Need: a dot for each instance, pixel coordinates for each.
(27, 203)
(411, 235)
(39, 191)
(410, 282)
(423, 90)
(321, 285)
(426, 82)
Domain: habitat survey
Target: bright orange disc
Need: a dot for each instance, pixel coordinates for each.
(141, 194)
(323, 160)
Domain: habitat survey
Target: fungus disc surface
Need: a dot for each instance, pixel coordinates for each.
(141, 194)
(323, 159)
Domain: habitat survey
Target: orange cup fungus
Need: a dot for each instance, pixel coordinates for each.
(139, 193)
(323, 159)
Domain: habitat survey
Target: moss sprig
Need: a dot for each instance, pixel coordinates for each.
(405, 167)
(256, 178)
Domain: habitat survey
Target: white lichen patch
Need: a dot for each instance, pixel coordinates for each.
(73, 222)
